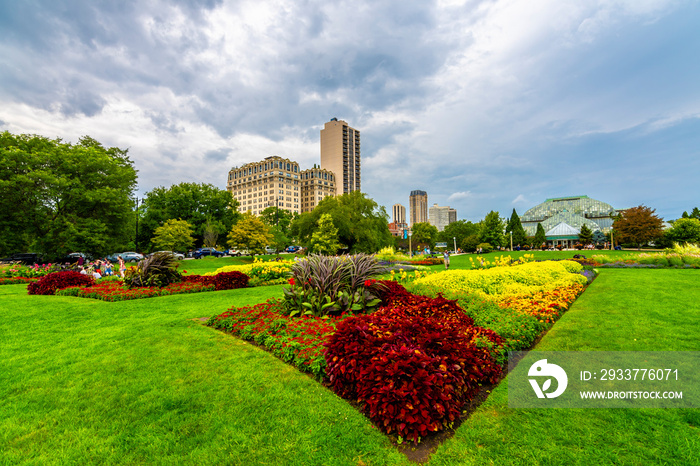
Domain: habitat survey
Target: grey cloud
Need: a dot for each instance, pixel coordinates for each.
(216, 155)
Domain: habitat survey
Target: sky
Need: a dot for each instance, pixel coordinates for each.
(485, 105)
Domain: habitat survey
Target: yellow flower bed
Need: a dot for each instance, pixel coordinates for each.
(496, 282)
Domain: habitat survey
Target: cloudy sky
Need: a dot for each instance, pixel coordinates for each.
(486, 105)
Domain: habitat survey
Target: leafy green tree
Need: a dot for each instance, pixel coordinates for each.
(174, 235)
(362, 224)
(424, 235)
(58, 197)
(458, 230)
(203, 206)
(492, 230)
(685, 230)
(514, 225)
(540, 236)
(211, 233)
(470, 243)
(279, 239)
(274, 216)
(585, 236)
(250, 233)
(325, 239)
(638, 225)
(694, 214)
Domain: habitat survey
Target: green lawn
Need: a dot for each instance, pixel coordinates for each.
(84, 381)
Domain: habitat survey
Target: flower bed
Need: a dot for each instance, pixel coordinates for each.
(414, 363)
(298, 341)
(499, 281)
(17, 280)
(114, 290)
(416, 346)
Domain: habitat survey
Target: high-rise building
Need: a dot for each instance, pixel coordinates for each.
(440, 217)
(340, 153)
(418, 204)
(399, 214)
(316, 184)
(271, 182)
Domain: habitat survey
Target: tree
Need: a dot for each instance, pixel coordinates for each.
(585, 236)
(58, 197)
(362, 224)
(470, 243)
(210, 235)
(174, 235)
(458, 230)
(201, 205)
(540, 236)
(325, 239)
(685, 230)
(424, 234)
(250, 233)
(637, 225)
(514, 225)
(492, 229)
(274, 216)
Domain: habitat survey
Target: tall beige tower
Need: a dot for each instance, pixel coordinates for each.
(399, 214)
(418, 204)
(340, 154)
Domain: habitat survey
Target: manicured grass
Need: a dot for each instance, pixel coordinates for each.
(90, 382)
(85, 381)
(658, 308)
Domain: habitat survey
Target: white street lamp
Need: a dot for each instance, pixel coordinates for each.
(455, 240)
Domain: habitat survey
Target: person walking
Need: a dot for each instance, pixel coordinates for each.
(446, 257)
(122, 266)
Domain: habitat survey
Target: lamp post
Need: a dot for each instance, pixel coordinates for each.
(410, 249)
(612, 241)
(511, 241)
(136, 239)
(454, 238)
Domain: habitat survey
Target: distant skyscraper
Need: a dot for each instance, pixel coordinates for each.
(440, 217)
(340, 153)
(399, 212)
(418, 204)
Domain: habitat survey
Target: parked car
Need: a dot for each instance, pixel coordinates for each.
(74, 257)
(270, 250)
(131, 256)
(178, 255)
(233, 252)
(27, 258)
(293, 249)
(199, 253)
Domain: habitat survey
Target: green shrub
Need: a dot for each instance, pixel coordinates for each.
(485, 247)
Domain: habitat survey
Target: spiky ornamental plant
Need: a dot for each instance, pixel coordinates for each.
(332, 285)
(160, 269)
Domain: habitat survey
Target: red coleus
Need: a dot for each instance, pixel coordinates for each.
(413, 364)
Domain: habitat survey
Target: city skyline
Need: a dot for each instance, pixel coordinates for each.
(486, 105)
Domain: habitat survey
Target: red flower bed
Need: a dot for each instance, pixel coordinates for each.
(299, 341)
(49, 284)
(230, 280)
(427, 261)
(115, 291)
(17, 280)
(411, 371)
